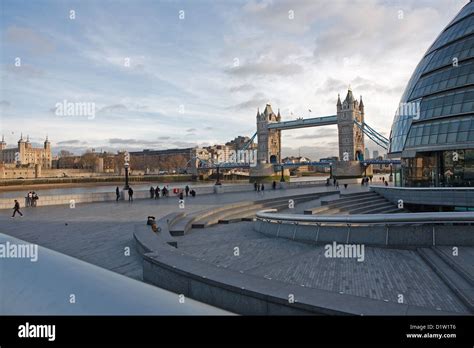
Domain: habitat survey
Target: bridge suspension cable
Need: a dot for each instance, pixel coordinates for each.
(375, 136)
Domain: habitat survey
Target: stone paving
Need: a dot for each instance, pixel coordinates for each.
(383, 275)
(99, 232)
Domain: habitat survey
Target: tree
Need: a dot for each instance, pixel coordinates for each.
(65, 153)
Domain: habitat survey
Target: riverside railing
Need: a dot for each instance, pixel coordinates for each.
(379, 219)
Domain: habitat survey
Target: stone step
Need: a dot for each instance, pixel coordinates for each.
(372, 207)
(454, 264)
(354, 204)
(341, 202)
(456, 282)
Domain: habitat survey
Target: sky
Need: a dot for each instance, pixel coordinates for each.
(168, 74)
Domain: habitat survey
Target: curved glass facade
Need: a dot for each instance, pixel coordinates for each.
(434, 124)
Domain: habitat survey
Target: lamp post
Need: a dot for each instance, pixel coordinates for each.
(282, 179)
(218, 182)
(126, 165)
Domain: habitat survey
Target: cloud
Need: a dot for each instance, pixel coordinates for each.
(321, 133)
(114, 108)
(30, 39)
(72, 142)
(265, 69)
(242, 88)
(25, 71)
(190, 130)
(183, 144)
(360, 84)
(258, 100)
(134, 141)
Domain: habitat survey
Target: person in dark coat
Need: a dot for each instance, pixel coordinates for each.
(117, 194)
(152, 192)
(157, 192)
(16, 209)
(187, 190)
(130, 194)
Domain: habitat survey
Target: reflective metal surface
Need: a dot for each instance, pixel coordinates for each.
(57, 284)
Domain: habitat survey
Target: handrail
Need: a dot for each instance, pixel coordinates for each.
(385, 219)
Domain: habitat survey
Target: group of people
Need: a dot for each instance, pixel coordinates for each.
(155, 192)
(259, 187)
(365, 181)
(31, 199)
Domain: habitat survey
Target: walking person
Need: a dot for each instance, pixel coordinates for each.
(29, 198)
(274, 184)
(334, 181)
(16, 209)
(117, 194)
(130, 194)
(157, 192)
(337, 184)
(258, 187)
(263, 187)
(152, 192)
(187, 190)
(255, 186)
(345, 186)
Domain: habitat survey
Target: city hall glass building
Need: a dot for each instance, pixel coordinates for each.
(433, 129)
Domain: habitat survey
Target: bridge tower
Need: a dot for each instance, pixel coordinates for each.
(351, 137)
(269, 147)
(269, 140)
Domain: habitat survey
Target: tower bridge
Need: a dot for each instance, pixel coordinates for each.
(352, 128)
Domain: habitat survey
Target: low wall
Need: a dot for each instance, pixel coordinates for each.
(7, 203)
(376, 235)
(437, 196)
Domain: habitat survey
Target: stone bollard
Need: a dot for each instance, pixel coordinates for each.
(218, 188)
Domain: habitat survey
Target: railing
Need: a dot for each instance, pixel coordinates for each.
(379, 219)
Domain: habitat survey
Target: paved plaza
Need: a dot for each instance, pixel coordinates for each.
(384, 274)
(99, 233)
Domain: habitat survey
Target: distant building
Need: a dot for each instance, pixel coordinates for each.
(375, 154)
(220, 153)
(296, 159)
(25, 154)
(240, 142)
(366, 153)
